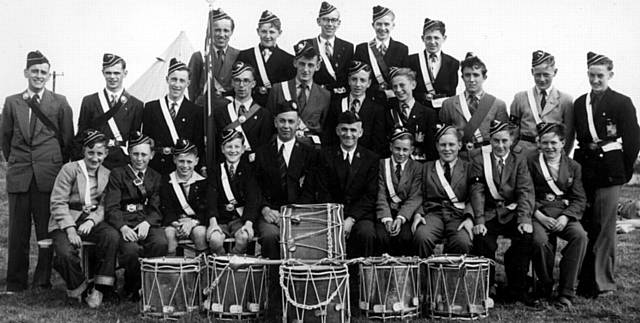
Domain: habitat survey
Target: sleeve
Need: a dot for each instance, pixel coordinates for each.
(311, 185)
(431, 117)
(147, 119)
(364, 206)
(136, 124)
(98, 215)
(198, 133)
(630, 137)
(212, 195)
(272, 100)
(60, 194)
(152, 209)
(252, 198)
(445, 115)
(454, 79)
(569, 123)
(382, 204)
(524, 192)
(6, 135)
(501, 112)
(66, 129)
(477, 191)
(379, 136)
(112, 198)
(195, 68)
(84, 119)
(577, 195)
(414, 200)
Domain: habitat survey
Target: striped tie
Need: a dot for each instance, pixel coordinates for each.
(282, 165)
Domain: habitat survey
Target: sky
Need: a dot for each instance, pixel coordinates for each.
(74, 34)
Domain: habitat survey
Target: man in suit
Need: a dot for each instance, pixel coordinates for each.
(37, 130)
(409, 113)
(560, 203)
(603, 118)
(273, 64)
(542, 103)
(376, 123)
(311, 99)
(221, 27)
(335, 53)
(132, 206)
(242, 113)
(437, 71)
(446, 212)
(382, 53)
(502, 199)
(77, 215)
(112, 111)
(172, 117)
(399, 196)
(471, 112)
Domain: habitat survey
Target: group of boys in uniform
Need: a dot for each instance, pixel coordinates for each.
(372, 128)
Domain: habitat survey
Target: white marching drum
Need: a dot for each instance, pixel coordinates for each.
(312, 231)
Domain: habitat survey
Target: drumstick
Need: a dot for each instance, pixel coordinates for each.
(236, 262)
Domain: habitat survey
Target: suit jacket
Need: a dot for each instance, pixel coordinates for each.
(189, 125)
(615, 167)
(451, 114)
(128, 119)
(342, 56)
(515, 186)
(301, 187)
(245, 190)
(199, 72)
(569, 181)
(421, 120)
(355, 187)
(445, 82)
(121, 191)
(170, 207)
(39, 153)
(376, 124)
(396, 55)
(409, 190)
(69, 189)
(313, 114)
(435, 198)
(279, 68)
(558, 109)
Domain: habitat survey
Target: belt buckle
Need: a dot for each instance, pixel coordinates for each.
(166, 150)
(89, 208)
(137, 182)
(242, 119)
(131, 207)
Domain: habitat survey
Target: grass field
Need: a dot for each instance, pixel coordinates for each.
(52, 306)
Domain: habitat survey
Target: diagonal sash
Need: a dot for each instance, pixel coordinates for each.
(592, 127)
(387, 175)
(325, 59)
(488, 175)
(301, 126)
(227, 189)
(345, 104)
(87, 189)
(237, 122)
(261, 69)
(447, 187)
(547, 177)
(379, 67)
(180, 195)
(109, 113)
(534, 106)
(168, 120)
(426, 73)
(471, 129)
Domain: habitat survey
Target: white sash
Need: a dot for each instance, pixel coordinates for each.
(111, 122)
(285, 90)
(534, 106)
(232, 114)
(180, 195)
(547, 177)
(327, 62)
(168, 120)
(345, 104)
(467, 115)
(447, 187)
(389, 181)
(227, 189)
(488, 174)
(396, 116)
(592, 127)
(425, 73)
(261, 69)
(87, 189)
(378, 73)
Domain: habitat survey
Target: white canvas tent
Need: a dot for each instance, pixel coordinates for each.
(152, 84)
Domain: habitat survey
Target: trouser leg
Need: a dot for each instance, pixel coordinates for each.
(106, 239)
(458, 241)
(572, 256)
(39, 204)
(427, 235)
(486, 245)
(18, 245)
(543, 256)
(68, 264)
(269, 234)
(517, 257)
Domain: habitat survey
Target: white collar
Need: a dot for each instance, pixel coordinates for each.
(117, 94)
(451, 163)
(538, 90)
(309, 84)
(438, 54)
(194, 178)
(504, 158)
(402, 165)
(31, 93)
(385, 42)
(247, 103)
(288, 145)
(411, 102)
(360, 98)
(348, 153)
(224, 50)
(178, 102)
(235, 165)
(322, 40)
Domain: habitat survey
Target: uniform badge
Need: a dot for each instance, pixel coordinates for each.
(420, 136)
(242, 119)
(184, 120)
(123, 99)
(299, 133)
(262, 90)
(89, 208)
(166, 150)
(131, 207)
(339, 90)
(230, 207)
(252, 157)
(111, 143)
(469, 146)
(137, 182)
(25, 96)
(301, 181)
(382, 87)
(549, 197)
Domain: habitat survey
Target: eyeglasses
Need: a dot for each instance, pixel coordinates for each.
(242, 81)
(330, 20)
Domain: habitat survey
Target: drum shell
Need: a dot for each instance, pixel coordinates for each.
(312, 231)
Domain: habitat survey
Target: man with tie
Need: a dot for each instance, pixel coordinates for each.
(273, 64)
(113, 111)
(502, 199)
(542, 103)
(437, 71)
(409, 113)
(608, 144)
(37, 130)
(172, 117)
(399, 196)
(382, 53)
(221, 27)
(132, 206)
(242, 113)
(472, 111)
(335, 53)
(446, 212)
(312, 100)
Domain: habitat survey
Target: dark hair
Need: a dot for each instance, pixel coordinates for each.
(473, 62)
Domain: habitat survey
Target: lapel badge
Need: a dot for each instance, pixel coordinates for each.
(184, 120)
(123, 99)
(252, 157)
(25, 96)
(131, 207)
(262, 90)
(301, 181)
(549, 197)
(230, 207)
(242, 119)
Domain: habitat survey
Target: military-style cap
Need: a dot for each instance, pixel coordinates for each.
(326, 8)
(540, 56)
(429, 24)
(357, 66)
(380, 11)
(138, 138)
(546, 127)
(393, 71)
(595, 59)
(443, 130)
(304, 49)
(109, 60)
(399, 132)
(240, 67)
(36, 57)
(231, 134)
(470, 55)
(268, 17)
(184, 146)
(91, 136)
(286, 106)
(218, 14)
(176, 65)
(348, 117)
(497, 126)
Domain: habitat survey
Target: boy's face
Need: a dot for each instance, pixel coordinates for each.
(501, 143)
(306, 67)
(37, 75)
(178, 82)
(433, 40)
(268, 35)
(93, 157)
(233, 150)
(543, 75)
(401, 150)
(243, 84)
(448, 147)
(359, 83)
(599, 77)
(384, 26)
(473, 79)
(403, 87)
(114, 77)
(140, 156)
(329, 24)
(551, 145)
(185, 164)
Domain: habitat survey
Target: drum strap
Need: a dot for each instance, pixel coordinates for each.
(87, 189)
(180, 195)
(488, 174)
(226, 186)
(111, 121)
(388, 180)
(293, 301)
(447, 187)
(261, 69)
(237, 124)
(547, 177)
(168, 120)
(534, 106)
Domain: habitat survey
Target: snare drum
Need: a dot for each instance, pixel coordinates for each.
(170, 286)
(312, 231)
(458, 287)
(236, 293)
(314, 293)
(390, 287)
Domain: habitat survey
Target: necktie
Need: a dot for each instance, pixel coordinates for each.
(382, 49)
(354, 105)
(266, 53)
(36, 98)
(32, 117)
(242, 110)
(405, 113)
(398, 171)
(218, 63)
(112, 102)
(141, 176)
(433, 59)
(543, 100)
(473, 103)
(232, 171)
(172, 110)
(500, 166)
(595, 99)
(302, 96)
(282, 165)
(447, 171)
(328, 49)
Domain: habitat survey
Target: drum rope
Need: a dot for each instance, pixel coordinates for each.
(311, 278)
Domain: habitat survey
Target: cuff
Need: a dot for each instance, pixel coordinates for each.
(386, 219)
(480, 220)
(402, 218)
(524, 219)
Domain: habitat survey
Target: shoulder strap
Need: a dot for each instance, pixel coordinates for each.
(168, 120)
(325, 59)
(237, 122)
(488, 173)
(261, 69)
(377, 63)
(180, 195)
(139, 183)
(388, 165)
(447, 187)
(534, 106)
(547, 176)
(471, 129)
(426, 73)
(87, 189)
(592, 127)
(108, 117)
(226, 186)
(35, 108)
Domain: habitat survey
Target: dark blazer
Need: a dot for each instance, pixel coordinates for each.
(615, 167)
(445, 83)
(313, 114)
(356, 187)
(38, 154)
(245, 190)
(515, 186)
(300, 175)
(397, 55)
(376, 125)
(199, 72)
(128, 120)
(569, 181)
(170, 207)
(435, 198)
(189, 123)
(279, 69)
(421, 119)
(121, 191)
(409, 190)
(342, 56)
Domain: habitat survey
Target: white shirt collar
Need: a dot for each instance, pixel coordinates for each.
(360, 98)
(194, 178)
(504, 158)
(117, 94)
(235, 165)
(411, 102)
(385, 42)
(402, 165)
(349, 153)
(247, 103)
(288, 148)
(438, 54)
(451, 163)
(331, 41)
(31, 93)
(538, 90)
(178, 102)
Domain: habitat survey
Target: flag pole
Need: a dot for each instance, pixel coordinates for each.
(209, 146)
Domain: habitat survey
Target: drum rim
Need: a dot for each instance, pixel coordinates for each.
(170, 260)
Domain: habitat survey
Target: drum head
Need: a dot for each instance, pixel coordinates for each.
(170, 261)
